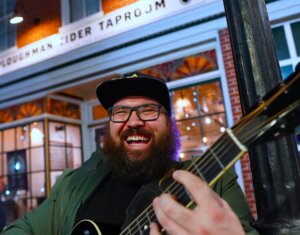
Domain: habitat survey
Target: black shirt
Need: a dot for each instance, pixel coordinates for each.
(107, 205)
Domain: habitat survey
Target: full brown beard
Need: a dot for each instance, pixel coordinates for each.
(155, 161)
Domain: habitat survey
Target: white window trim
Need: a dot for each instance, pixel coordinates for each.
(294, 59)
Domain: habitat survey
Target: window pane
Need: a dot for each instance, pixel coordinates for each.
(286, 71)
(74, 157)
(92, 6)
(9, 136)
(57, 133)
(38, 184)
(37, 134)
(37, 159)
(190, 134)
(296, 34)
(58, 158)
(22, 137)
(281, 43)
(73, 136)
(185, 103)
(77, 9)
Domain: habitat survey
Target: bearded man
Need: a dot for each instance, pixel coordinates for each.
(116, 188)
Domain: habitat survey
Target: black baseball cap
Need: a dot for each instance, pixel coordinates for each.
(134, 84)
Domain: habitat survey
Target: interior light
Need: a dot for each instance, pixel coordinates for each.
(222, 129)
(36, 136)
(16, 19)
(204, 139)
(207, 120)
(181, 155)
(17, 166)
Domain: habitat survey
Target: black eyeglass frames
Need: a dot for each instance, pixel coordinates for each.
(145, 112)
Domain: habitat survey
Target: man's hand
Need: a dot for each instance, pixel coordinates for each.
(212, 215)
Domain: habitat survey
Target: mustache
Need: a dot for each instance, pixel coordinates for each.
(135, 131)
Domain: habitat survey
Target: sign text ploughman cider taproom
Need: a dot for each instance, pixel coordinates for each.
(119, 21)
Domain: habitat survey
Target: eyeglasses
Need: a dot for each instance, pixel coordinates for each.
(145, 112)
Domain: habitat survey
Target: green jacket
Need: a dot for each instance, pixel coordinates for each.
(56, 215)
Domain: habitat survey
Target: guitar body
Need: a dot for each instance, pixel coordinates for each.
(86, 227)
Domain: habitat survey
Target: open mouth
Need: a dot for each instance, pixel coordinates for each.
(137, 139)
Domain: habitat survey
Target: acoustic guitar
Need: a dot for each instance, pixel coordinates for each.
(277, 113)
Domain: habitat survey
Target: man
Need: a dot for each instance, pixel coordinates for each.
(115, 186)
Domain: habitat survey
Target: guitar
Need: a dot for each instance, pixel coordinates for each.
(277, 113)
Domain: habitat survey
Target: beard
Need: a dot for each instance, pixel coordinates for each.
(156, 160)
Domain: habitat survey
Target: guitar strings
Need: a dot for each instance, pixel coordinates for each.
(175, 188)
(236, 130)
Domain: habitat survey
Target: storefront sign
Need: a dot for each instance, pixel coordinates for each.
(121, 20)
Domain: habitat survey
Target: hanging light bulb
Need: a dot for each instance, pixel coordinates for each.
(16, 19)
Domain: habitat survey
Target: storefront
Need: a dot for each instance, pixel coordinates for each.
(50, 118)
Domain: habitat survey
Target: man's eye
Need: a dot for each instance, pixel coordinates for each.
(149, 110)
(120, 111)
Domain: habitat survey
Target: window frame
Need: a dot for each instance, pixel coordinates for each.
(66, 14)
(294, 58)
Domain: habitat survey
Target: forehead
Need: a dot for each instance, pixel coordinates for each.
(135, 100)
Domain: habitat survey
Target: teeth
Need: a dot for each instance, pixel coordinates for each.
(137, 138)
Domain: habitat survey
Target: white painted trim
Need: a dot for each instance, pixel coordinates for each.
(215, 7)
(85, 136)
(66, 99)
(39, 118)
(282, 9)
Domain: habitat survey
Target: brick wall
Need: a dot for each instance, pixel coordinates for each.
(112, 5)
(41, 19)
(237, 112)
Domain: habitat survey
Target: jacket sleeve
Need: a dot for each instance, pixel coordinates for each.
(228, 188)
(41, 219)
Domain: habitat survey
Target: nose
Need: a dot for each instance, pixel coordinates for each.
(134, 120)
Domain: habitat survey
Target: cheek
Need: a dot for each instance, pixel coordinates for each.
(114, 130)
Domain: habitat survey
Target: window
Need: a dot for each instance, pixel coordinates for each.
(287, 43)
(74, 10)
(23, 170)
(7, 30)
(200, 116)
